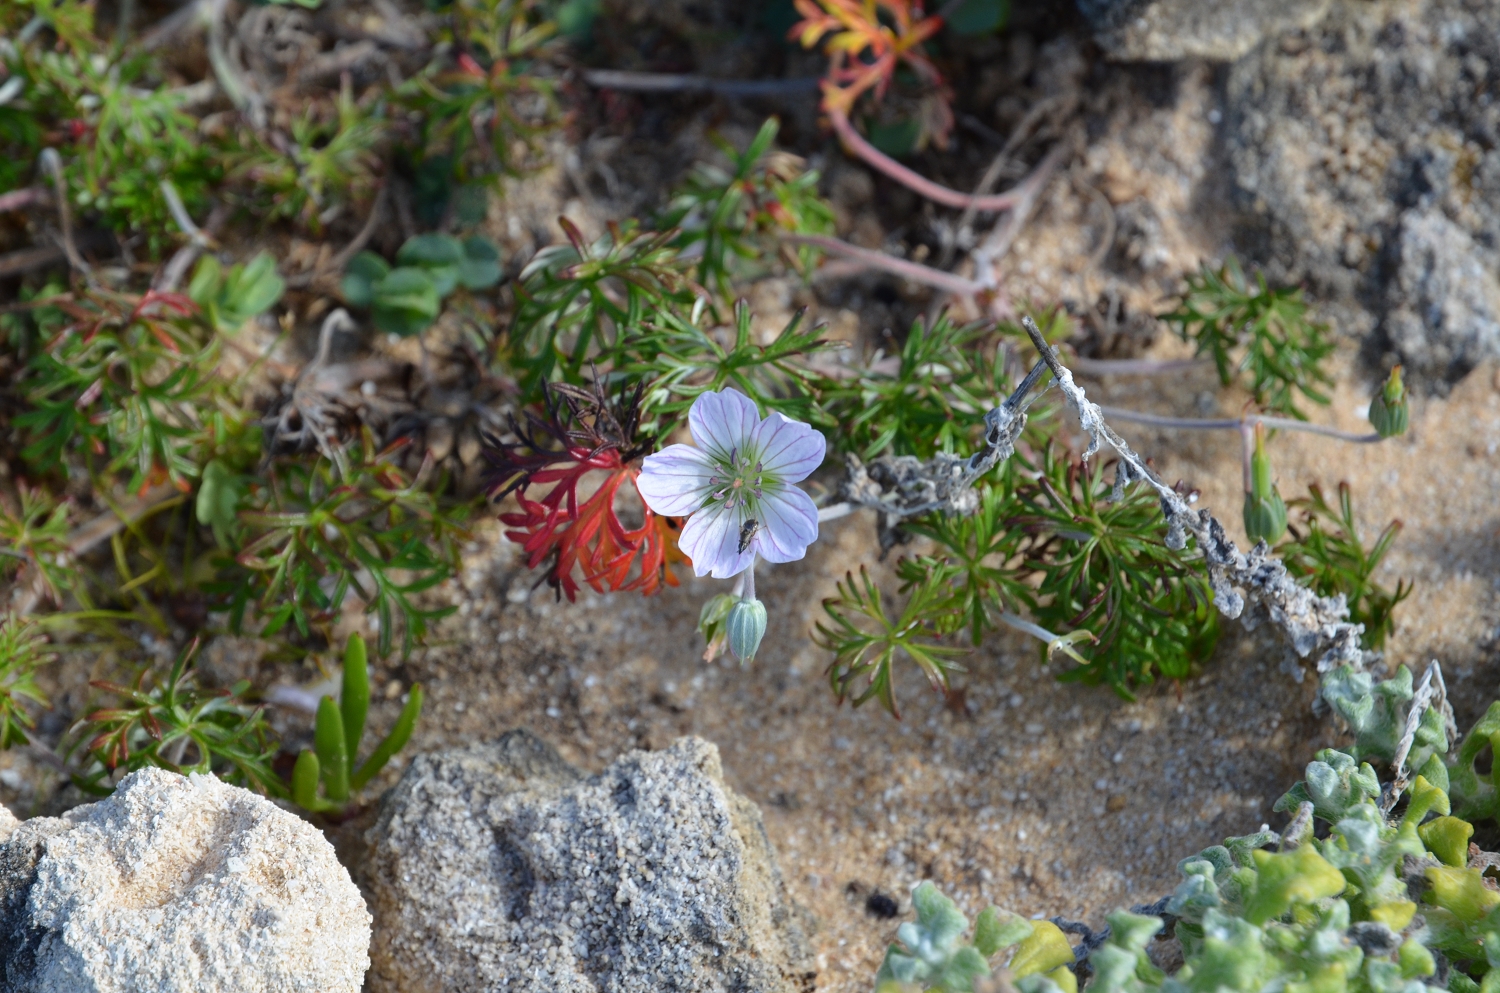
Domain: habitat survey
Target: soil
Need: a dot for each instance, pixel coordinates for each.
(1043, 797)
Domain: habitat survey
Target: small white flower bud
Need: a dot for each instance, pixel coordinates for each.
(746, 626)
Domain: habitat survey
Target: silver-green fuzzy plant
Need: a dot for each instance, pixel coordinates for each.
(1274, 913)
(932, 953)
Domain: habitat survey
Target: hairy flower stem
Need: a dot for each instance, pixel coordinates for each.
(1236, 424)
(746, 582)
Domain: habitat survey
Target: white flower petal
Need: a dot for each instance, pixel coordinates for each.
(788, 524)
(675, 481)
(788, 450)
(711, 539)
(723, 422)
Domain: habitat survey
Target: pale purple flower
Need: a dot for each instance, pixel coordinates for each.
(743, 470)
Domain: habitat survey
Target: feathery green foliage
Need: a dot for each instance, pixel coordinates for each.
(1333, 558)
(946, 377)
(117, 129)
(865, 639)
(318, 530)
(1103, 564)
(128, 378)
(486, 113)
(1260, 336)
(729, 218)
(170, 722)
(22, 652)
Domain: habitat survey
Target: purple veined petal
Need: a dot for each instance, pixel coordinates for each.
(788, 450)
(711, 538)
(675, 481)
(788, 524)
(724, 421)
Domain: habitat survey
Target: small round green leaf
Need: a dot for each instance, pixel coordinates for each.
(364, 271)
(481, 265)
(406, 301)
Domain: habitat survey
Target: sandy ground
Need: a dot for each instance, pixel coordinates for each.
(1041, 797)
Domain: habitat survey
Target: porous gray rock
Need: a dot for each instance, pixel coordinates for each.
(501, 867)
(177, 884)
(1215, 30)
(1445, 300)
(1365, 161)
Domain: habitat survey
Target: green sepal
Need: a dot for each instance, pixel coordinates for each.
(1265, 511)
(1390, 408)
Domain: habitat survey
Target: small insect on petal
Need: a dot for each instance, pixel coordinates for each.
(747, 532)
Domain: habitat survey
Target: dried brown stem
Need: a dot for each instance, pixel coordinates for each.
(355, 246)
(52, 163)
(26, 259)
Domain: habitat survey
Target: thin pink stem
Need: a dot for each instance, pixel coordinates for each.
(927, 276)
(935, 192)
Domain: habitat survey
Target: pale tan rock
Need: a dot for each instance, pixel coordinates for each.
(177, 884)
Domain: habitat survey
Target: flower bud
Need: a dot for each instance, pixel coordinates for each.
(746, 626)
(1390, 409)
(712, 621)
(1265, 511)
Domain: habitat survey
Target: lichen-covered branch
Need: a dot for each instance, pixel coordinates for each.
(899, 487)
(1314, 626)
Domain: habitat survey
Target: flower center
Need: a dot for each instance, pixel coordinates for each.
(737, 478)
